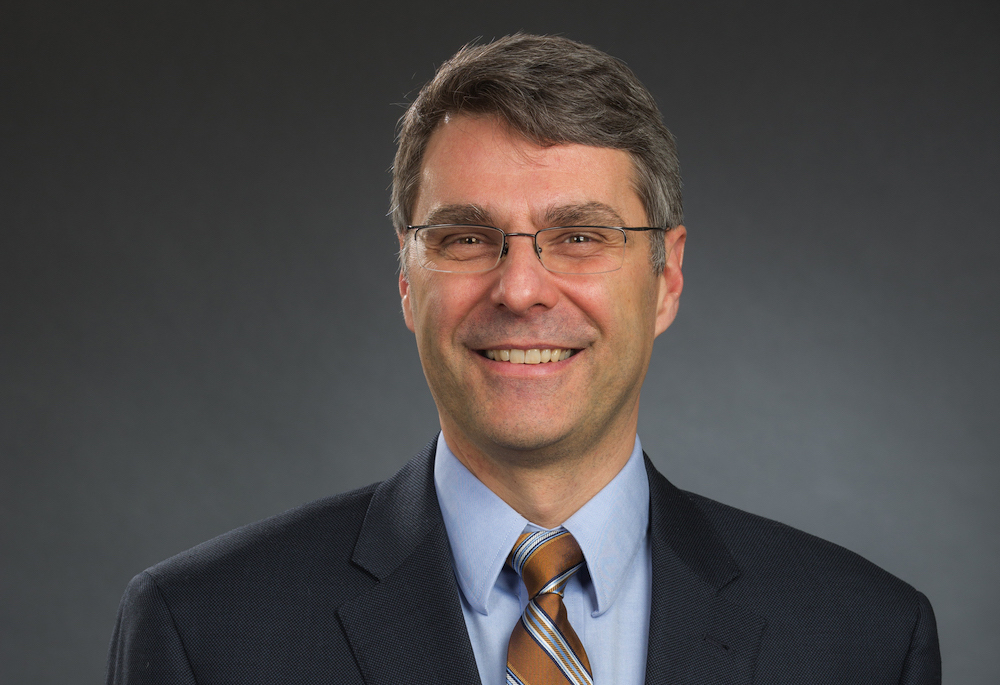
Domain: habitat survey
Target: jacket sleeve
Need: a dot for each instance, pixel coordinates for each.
(923, 660)
(146, 648)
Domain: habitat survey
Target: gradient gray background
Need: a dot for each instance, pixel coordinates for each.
(200, 317)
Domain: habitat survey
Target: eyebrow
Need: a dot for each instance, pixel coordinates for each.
(585, 214)
(459, 214)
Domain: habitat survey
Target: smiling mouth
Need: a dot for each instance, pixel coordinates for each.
(532, 356)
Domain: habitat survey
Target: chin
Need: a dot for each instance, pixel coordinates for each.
(530, 437)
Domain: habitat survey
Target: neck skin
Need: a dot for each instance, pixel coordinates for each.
(549, 484)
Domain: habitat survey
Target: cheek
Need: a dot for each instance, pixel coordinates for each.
(451, 300)
(608, 305)
(629, 313)
(436, 312)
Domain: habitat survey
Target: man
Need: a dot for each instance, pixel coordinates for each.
(536, 198)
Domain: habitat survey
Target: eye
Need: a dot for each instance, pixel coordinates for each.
(582, 236)
(462, 239)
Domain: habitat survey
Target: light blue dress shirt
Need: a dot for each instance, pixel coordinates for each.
(607, 603)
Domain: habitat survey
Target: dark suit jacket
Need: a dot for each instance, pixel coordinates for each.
(359, 588)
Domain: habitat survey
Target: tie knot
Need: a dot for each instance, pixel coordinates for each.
(545, 560)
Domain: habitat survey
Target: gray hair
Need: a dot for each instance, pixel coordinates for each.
(550, 90)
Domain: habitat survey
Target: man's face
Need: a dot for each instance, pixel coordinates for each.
(475, 171)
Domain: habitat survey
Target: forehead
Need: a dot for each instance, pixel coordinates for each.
(478, 163)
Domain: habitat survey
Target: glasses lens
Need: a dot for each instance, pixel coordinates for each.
(582, 249)
(464, 249)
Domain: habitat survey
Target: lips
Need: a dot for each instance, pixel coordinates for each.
(530, 356)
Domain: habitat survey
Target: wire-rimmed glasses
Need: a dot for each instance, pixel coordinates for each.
(468, 248)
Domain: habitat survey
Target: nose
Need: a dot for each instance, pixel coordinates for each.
(522, 281)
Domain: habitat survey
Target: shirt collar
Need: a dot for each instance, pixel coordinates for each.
(482, 528)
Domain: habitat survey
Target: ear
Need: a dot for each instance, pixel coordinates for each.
(404, 293)
(671, 281)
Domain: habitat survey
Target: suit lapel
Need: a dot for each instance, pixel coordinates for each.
(409, 626)
(696, 635)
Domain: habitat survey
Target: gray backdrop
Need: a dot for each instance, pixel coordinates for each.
(200, 319)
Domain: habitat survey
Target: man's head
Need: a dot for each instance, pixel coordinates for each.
(522, 135)
(549, 90)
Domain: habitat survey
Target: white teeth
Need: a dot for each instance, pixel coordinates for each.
(532, 356)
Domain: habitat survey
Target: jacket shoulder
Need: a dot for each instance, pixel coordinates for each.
(323, 531)
(822, 599)
(222, 610)
(763, 547)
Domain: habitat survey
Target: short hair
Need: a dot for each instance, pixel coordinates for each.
(550, 90)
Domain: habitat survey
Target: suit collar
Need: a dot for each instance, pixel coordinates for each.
(408, 627)
(680, 526)
(696, 635)
(402, 512)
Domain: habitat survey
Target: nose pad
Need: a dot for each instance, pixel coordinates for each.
(534, 241)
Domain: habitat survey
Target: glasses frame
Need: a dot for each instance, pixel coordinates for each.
(534, 240)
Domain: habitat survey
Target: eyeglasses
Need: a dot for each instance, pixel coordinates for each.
(459, 248)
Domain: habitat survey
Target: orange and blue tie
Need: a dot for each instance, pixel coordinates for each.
(544, 649)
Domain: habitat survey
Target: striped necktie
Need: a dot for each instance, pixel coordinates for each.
(544, 649)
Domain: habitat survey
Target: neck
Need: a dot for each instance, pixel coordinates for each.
(545, 486)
